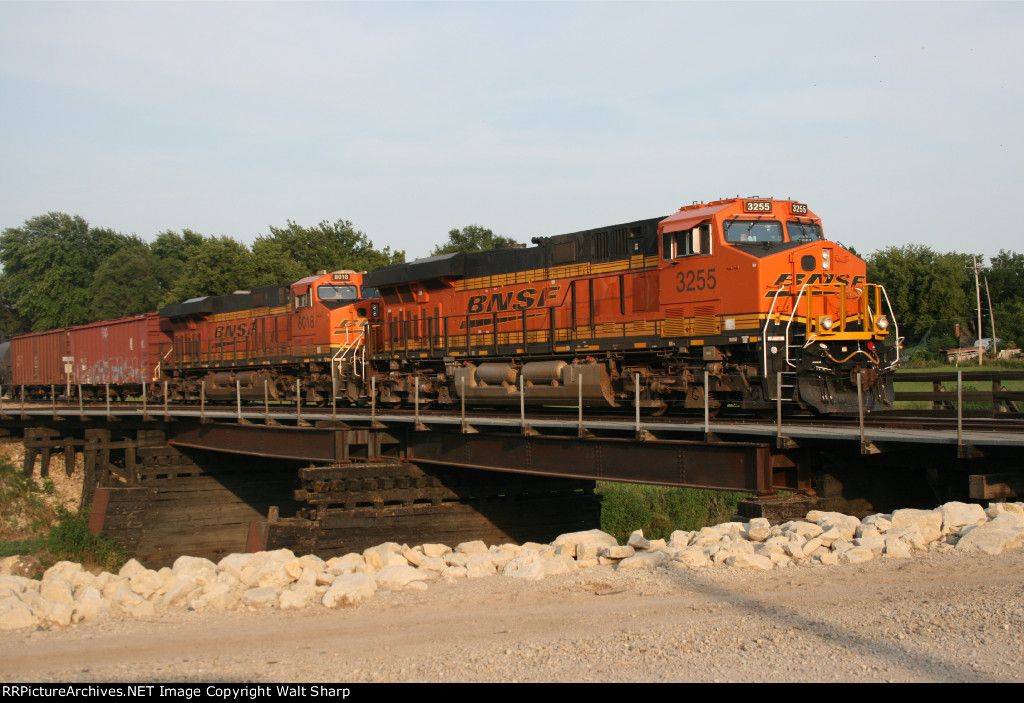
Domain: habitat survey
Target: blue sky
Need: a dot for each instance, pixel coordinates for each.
(896, 122)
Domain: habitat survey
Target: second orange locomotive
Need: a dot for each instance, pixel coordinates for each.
(740, 300)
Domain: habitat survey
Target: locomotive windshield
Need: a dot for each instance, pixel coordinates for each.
(752, 232)
(337, 293)
(804, 231)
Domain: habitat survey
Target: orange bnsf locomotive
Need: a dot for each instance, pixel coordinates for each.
(303, 339)
(736, 302)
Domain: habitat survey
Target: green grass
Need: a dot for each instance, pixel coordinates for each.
(950, 385)
(33, 545)
(24, 510)
(71, 540)
(32, 525)
(966, 367)
(658, 510)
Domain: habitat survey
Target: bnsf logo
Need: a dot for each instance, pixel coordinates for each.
(241, 329)
(523, 300)
(786, 279)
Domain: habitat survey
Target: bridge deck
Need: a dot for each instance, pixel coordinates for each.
(927, 431)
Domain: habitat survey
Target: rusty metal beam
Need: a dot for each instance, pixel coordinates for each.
(325, 444)
(729, 466)
(741, 466)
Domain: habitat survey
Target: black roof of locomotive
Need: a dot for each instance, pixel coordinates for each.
(593, 245)
(261, 297)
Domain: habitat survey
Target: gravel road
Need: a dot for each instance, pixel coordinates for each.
(936, 617)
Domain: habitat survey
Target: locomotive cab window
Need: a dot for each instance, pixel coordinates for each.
(687, 242)
(753, 232)
(804, 232)
(336, 292)
(304, 300)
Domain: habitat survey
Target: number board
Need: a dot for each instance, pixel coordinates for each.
(341, 277)
(799, 209)
(757, 206)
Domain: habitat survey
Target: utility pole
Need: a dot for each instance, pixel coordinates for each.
(977, 290)
(991, 318)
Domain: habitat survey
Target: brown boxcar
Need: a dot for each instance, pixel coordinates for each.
(118, 352)
(40, 359)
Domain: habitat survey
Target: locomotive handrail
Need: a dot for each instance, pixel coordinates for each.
(350, 346)
(792, 316)
(158, 369)
(764, 334)
(895, 327)
(866, 315)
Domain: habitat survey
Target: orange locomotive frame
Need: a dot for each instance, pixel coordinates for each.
(744, 289)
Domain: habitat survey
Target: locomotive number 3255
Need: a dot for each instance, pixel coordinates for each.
(699, 279)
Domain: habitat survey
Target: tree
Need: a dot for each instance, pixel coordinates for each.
(169, 251)
(213, 266)
(11, 323)
(49, 264)
(127, 283)
(293, 252)
(1006, 282)
(926, 289)
(473, 238)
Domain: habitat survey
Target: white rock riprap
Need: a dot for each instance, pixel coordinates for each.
(67, 594)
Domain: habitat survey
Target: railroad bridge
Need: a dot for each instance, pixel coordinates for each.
(214, 479)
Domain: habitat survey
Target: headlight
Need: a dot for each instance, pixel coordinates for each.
(882, 322)
(826, 322)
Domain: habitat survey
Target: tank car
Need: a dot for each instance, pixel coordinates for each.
(5, 364)
(740, 302)
(282, 342)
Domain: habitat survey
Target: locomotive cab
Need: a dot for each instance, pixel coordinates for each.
(764, 279)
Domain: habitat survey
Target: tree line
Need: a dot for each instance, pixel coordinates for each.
(58, 270)
(932, 292)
